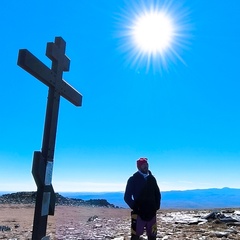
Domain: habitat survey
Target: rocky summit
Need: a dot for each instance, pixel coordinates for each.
(30, 198)
(112, 223)
(172, 225)
(78, 219)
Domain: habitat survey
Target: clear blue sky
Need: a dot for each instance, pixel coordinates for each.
(184, 115)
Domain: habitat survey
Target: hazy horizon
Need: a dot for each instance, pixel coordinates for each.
(120, 191)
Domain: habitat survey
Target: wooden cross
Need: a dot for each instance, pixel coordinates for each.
(43, 160)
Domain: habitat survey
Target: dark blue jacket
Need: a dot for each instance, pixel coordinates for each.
(143, 195)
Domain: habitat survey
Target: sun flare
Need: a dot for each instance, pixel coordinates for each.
(153, 35)
(153, 32)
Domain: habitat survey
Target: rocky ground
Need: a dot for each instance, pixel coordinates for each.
(83, 222)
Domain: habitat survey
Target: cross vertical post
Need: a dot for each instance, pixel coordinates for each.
(43, 160)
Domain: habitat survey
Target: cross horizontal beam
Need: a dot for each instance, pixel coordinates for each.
(34, 66)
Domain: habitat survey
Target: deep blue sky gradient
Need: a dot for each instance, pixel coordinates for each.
(185, 118)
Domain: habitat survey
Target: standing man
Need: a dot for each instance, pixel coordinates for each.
(143, 196)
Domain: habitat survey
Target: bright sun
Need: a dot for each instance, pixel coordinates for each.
(152, 34)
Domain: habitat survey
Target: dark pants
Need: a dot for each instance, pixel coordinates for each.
(138, 226)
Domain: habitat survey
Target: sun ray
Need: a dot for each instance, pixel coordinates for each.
(153, 33)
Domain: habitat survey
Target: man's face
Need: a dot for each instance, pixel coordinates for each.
(144, 168)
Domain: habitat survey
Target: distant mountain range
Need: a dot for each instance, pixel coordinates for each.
(202, 198)
(187, 199)
(212, 198)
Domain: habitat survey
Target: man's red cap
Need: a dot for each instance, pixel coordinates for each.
(141, 161)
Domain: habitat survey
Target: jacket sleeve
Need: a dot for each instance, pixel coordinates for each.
(129, 193)
(157, 196)
(159, 199)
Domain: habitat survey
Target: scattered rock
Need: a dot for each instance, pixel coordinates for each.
(92, 218)
(16, 226)
(219, 217)
(5, 228)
